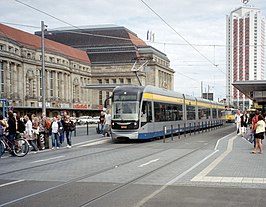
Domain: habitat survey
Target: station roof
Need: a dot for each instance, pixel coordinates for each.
(247, 87)
(34, 41)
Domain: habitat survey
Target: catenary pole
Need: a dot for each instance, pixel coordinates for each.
(43, 71)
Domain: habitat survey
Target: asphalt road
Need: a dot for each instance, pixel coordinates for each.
(98, 172)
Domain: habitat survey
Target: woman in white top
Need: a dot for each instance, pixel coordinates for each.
(259, 134)
(55, 136)
(28, 133)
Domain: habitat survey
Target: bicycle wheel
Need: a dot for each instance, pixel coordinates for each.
(21, 147)
(2, 148)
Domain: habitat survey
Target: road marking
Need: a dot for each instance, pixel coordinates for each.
(53, 158)
(202, 176)
(90, 141)
(95, 143)
(10, 183)
(210, 167)
(147, 198)
(149, 162)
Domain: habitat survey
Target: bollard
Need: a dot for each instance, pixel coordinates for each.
(185, 130)
(189, 129)
(75, 131)
(172, 133)
(198, 127)
(87, 127)
(164, 132)
(178, 131)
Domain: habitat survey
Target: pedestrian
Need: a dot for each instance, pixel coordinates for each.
(259, 135)
(28, 133)
(61, 129)
(11, 127)
(107, 123)
(101, 123)
(20, 126)
(3, 126)
(238, 122)
(69, 126)
(254, 125)
(244, 123)
(55, 133)
(35, 130)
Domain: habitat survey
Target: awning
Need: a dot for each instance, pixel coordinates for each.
(249, 87)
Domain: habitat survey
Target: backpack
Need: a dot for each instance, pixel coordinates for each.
(48, 123)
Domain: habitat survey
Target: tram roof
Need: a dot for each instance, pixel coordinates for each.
(162, 91)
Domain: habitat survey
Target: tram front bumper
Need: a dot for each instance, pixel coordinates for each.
(118, 134)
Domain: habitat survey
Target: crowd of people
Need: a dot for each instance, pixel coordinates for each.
(38, 130)
(252, 124)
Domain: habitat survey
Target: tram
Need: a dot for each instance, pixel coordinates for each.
(229, 115)
(146, 112)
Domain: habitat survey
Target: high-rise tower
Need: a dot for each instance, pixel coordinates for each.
(245, 47)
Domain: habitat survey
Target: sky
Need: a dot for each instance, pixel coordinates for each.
(191, 33)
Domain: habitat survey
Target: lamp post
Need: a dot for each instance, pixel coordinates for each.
(43, 72)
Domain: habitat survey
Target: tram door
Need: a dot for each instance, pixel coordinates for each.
(146, 117)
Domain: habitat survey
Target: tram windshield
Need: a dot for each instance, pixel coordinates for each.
(125, 110)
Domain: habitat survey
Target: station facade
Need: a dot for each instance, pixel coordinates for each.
(69, 70)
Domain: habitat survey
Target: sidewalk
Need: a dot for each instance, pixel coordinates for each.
(236, 165)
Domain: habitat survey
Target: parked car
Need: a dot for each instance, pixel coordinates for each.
(85, 119)
(75, 120)
(95, 120)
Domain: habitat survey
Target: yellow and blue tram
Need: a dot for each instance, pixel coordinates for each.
(146, 112)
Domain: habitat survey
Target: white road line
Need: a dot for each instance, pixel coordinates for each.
(147, 198)
(10, 183)
(90, 141)
(53, 158)
(149, 162)
(211, 166)
(95, 143)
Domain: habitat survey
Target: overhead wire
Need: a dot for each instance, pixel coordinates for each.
(181, 36)
(114, 37)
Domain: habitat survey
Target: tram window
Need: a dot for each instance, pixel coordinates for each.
(178, 112)
(214, 113)
(146, 112)
(191, 113)
(167, 112)
(220, 111)
(204, 113)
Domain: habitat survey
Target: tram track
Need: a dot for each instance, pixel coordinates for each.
(120, 187)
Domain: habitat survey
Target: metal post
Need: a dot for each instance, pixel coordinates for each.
(172, 133)
(164, 132)
(87, 127)
(198, 127)
(189, 129)
(178, 131)
(75, 132)
(194, 128)
(43, 72)
(185, 130)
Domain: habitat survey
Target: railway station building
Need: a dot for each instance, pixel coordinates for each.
(70, 68)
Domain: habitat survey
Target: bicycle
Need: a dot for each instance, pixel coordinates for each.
(19, 148)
